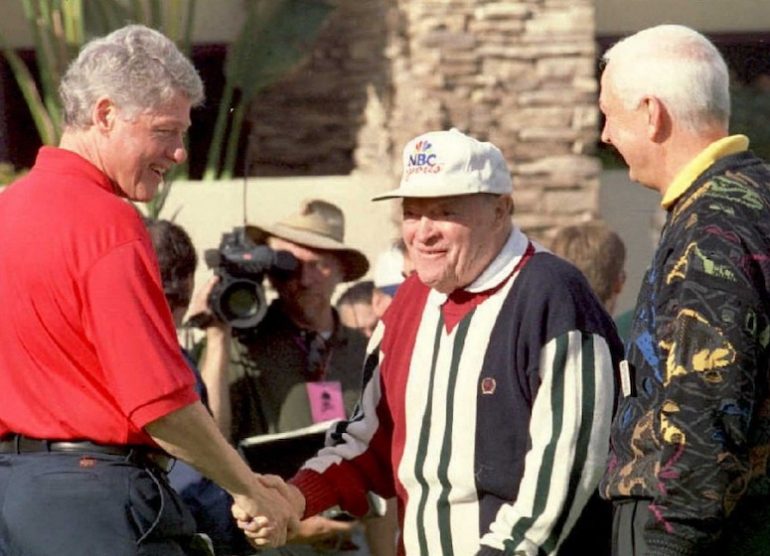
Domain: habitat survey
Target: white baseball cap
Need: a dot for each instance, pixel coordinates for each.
(445, 163)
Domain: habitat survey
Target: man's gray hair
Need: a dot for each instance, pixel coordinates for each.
(680, 67)
(138, 68)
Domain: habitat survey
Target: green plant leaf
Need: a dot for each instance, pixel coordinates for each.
(276, 35)
(103, 16)
(29, 90)
(154, 206)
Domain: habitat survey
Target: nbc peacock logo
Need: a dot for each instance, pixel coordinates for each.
(422, 160)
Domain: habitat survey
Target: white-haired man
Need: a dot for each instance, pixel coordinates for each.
(688, 472)
(488, 387)
(93, 382)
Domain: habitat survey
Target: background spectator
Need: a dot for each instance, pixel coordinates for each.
(355, 307)
(600, 255)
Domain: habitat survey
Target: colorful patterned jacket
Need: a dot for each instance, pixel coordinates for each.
(693, 434)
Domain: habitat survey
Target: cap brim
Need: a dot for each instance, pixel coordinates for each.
(442, 191)
(393, 194)
(402, 193)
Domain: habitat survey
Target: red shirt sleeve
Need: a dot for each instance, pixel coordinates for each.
(130, 325)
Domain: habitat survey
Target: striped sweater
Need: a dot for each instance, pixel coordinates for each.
(486, 412)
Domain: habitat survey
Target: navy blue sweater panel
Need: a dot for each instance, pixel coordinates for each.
(549, 298)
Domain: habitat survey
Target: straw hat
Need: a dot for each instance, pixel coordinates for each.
(318, 225)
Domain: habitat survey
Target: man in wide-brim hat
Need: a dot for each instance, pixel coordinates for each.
(299, 365)
(315, 236)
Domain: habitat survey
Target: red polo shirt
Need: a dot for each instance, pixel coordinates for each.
(87, 343)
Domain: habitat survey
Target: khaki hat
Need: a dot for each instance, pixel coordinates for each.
(318, 225)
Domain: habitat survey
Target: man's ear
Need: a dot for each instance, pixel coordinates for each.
(658, 119)
(104, 114)
(504, 208)
(620, 281)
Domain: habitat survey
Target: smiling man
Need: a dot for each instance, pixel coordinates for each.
(489, 383)
(95, 393)
(689, 467)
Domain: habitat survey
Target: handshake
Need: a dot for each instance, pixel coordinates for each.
(270, 513)
(273, 517)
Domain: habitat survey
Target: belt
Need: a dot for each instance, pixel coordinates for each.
(20, 444)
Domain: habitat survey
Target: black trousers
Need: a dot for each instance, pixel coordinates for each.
(628, 519)
(745, 533)
(62, 504)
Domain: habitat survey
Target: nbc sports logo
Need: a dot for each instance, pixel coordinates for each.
(422, 160)
(421, 156)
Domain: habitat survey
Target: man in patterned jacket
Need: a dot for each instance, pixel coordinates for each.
(488, 386)
(690, 443)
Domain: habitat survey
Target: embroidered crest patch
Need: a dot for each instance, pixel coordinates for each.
(488, 385)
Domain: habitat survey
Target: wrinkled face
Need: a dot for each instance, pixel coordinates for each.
(360, 316)
(626, 130)
(311, 288)
(136, 152)
(451, 240)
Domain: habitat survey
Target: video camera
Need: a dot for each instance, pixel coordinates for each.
(239, 297)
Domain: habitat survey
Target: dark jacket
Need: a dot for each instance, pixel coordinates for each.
(269, 371)
(694, 435)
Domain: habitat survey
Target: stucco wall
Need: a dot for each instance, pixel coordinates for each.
(619, 17)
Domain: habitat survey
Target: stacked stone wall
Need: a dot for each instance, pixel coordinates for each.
(518, 73)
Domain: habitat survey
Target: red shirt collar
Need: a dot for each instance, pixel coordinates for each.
(64, 162)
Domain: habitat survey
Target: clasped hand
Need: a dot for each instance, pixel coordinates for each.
(272, 514)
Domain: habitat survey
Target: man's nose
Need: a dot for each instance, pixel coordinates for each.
(606, 134)
(425, 229)
(309, 274)
(179, 155)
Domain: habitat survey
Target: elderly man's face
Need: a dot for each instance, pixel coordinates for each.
(311, 288)
(138, 151)
(451, 240)
(626, 130)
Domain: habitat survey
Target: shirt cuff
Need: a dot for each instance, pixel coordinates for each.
(161, 407)
(318, 495)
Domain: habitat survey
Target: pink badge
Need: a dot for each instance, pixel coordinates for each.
(325, 401)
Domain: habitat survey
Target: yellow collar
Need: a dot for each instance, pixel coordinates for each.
(708, 156)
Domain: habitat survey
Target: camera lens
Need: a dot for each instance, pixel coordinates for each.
(238, 302)
(241, 302)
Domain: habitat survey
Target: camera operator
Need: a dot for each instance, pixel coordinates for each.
(299, 364)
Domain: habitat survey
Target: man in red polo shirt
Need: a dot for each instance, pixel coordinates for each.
(95, 392)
